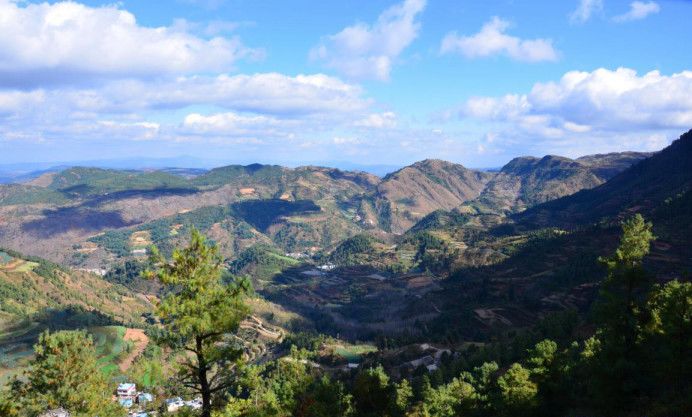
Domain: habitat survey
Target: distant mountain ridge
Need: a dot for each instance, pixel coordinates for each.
(527, 181)
(56, 211)
(642, 187)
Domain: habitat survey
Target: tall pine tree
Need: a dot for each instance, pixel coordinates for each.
(200, 317)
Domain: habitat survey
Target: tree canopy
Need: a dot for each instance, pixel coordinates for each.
(200, 315)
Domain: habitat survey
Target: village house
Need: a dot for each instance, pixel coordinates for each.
(126, 402)
(174, 404)
(127, 390)
(144, 397)
(327, 267)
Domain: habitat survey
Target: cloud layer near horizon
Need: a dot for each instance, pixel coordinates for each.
(587, 105)
(71, 73)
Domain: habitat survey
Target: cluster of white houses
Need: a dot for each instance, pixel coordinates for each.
(128, 396)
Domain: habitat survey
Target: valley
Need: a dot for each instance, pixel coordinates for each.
(429, 267)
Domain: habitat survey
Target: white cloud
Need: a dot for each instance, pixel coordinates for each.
(585, 10)
(68, 42)
(602, 104)
(230, 124)
(269, 105)
(493, 108)
(619, 99)
(15, 101)
(386, 120)
(492, 40)
(365, 51)
(343, 140)
(576, 128)
(638, 10)
(268, 93)
(131, 130)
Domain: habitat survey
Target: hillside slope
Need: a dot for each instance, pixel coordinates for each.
(62, 216)
(29, 285)
(80, 203)
(641, 188)
(527, 181)
(416, 190)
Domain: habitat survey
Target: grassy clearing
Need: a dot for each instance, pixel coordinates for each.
(110, 347)
(16, 349)
(140, 239)
(353, 353)
(5, 258)
(26, 266)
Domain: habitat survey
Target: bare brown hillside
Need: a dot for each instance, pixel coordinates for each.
(425, 186)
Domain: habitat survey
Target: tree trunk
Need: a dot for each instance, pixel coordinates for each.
(203, 381)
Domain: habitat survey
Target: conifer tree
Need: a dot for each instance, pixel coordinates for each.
(200, 317)
(64, 374)
(619, 312)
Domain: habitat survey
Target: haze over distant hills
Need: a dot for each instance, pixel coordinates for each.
(20, 172)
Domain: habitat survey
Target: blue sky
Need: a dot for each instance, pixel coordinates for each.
(370, 82)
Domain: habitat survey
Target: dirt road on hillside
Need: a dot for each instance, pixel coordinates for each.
(140, 341)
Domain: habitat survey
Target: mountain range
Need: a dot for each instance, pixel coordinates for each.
(56, 211)
(433, 253)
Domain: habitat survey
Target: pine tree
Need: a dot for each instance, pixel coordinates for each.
(65, 374)
(200, 317)
(517, 391)
(668, 342)
(622, 300)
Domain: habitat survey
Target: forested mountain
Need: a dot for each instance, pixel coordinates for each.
(62, 215)
(448, 291)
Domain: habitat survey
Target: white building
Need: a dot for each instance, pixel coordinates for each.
(174, 404)
(127, 390)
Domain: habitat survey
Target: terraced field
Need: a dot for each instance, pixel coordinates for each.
(111, 347)
(16, 348)
(356, 302)
(9, 263)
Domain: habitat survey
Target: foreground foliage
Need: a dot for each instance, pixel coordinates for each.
(63, 374)
(635, 363)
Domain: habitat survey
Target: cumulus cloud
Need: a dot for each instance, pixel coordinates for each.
(611, 100)
(365, 51)
(130, 130)
(585, 10)
(638, 10)
(231, 124)
(224, 106)
(343, 140)
(492, 40)
(599, 104)
(15, 101)
(68, 42)
(267, 93)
